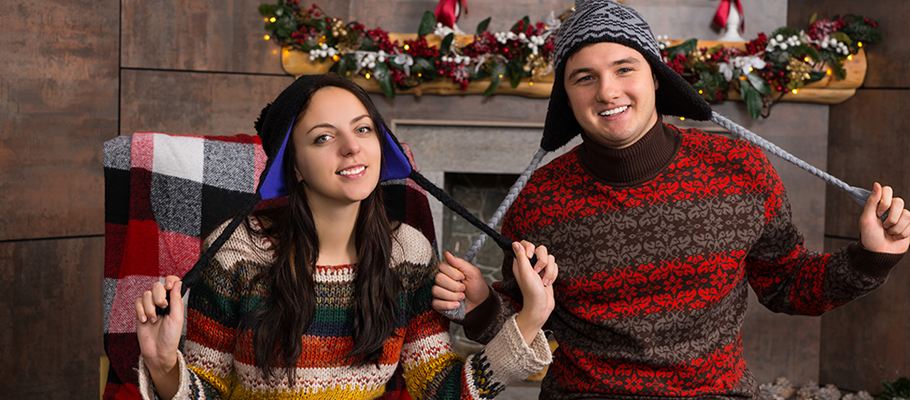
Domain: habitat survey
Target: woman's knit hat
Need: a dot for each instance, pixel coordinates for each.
(596, 21)
(274, 128)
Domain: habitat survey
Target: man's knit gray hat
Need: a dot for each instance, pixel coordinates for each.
(596, 21)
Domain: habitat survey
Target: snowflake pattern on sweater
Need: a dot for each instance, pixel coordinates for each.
(654, 273)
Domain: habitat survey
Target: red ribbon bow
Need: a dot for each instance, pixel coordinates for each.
(723, 12)
(445, 11)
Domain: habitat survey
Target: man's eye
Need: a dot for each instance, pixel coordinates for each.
(625, 70)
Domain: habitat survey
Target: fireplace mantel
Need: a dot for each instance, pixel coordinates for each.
(826, 91)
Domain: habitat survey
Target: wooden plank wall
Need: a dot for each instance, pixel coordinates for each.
(868, 340)
(58, 103)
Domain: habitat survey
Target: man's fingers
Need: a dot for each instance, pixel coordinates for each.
(442, 294)
(885, 201)
(440, 305)
(894, 213)
(445, 281)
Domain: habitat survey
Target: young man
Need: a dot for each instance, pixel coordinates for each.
(659, 232)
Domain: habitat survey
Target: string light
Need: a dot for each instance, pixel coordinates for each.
(368, 75)
(742, 77)
(828, 72)
(500, 76)
(860, 44)
(807, 59)
(266, 37)
(419, 75)
(682, 118)
(266, 19)
(531, 83)
(850, 57)
(335, 58)
(795, 91)
(407, 47)
(272, 19)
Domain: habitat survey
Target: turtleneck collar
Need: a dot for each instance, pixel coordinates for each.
(632, 165)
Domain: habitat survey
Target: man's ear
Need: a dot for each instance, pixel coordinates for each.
(656, 84)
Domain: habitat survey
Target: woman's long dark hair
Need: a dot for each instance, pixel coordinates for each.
(278, 326)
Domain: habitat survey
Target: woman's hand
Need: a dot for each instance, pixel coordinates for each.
(536, 286)
(458, 280)
(159, 335)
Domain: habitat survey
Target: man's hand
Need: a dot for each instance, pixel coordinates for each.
(458, 280)
(891, 235)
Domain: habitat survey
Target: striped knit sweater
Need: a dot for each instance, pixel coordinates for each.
(657, 246)
(217, 364)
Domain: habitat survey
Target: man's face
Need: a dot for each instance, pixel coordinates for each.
(611, 92)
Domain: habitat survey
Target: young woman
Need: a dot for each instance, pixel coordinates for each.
(323, 297)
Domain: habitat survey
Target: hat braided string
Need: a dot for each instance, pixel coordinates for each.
(858, 194)
(458, 313)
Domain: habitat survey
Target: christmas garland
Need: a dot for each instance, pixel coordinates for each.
(783, 63)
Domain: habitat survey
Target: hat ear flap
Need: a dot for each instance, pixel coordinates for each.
(261, 120)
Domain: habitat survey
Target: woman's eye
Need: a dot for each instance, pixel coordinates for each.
(322, 139)
(364, 129)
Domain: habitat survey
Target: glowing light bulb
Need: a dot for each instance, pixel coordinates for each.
(794, 91)
(266, 37)
(500, 76)
(828, 72)
(531, 83)
(368, 75)
(419, 75)
(407, 47)
(807, 59)
(859, 44)
(272, 19)
(682, 118)
(850, 57)
(335, 57)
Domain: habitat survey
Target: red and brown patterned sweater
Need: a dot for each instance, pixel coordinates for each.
(657, 244)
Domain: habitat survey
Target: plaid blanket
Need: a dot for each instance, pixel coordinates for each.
(163, 194)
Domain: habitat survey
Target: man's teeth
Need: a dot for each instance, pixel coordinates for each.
(614, 111)
(353, 171)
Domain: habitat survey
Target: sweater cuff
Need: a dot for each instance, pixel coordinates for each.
(484, 312)
(479, 322)
(147, 386)
(511, 359)
(870, 263)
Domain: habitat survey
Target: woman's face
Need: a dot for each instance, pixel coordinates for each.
(339, 154)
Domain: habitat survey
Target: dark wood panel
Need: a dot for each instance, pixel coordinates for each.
(51, 318)
(868, 143)
(868, 340)
(889, 61)
(195, 103)
(58, 104)
(197, 35)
